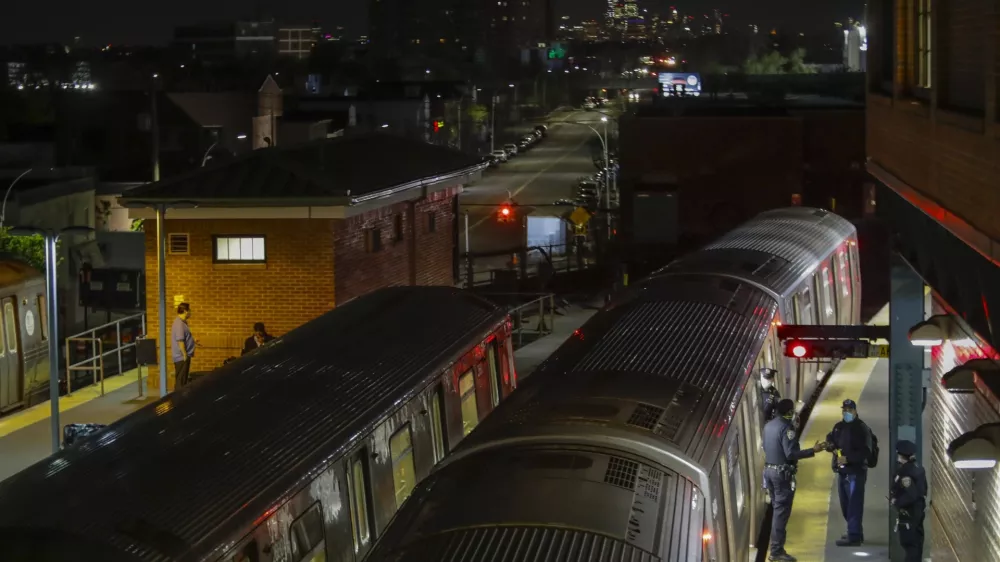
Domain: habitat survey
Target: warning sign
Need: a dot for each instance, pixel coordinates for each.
(579, 216)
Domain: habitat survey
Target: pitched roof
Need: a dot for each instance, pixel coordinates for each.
(333, 168)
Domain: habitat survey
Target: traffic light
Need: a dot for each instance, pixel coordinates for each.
(438, 125)
(830, 349)
(505, 213)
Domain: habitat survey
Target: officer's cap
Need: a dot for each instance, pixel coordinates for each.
(785, 406)
(850, 405)
(767, 374)
(906, 448)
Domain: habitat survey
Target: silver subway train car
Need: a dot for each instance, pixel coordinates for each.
(302, 451)
(640, 439)
(24, 346)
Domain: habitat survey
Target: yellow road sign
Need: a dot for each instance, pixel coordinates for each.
(579, 216)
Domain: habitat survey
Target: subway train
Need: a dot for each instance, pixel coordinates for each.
(303, 450)
(640, 439)
(24, 348)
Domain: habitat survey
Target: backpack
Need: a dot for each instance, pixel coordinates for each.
(873, 455)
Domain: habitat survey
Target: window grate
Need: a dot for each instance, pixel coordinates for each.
(178, 244)
(621, 473)
(645, 416)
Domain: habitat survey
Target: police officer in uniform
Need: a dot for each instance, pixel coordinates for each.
(771, 394)
(781, 455)
(907, 495)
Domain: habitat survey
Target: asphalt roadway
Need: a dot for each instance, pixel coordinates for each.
(535, 179)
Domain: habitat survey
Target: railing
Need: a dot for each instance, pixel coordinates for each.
(485, 268)
(108, 347)
(541, 309)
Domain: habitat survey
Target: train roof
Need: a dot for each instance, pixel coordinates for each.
(14, 271)
(776, 248)
(171, 476)
(671, 357)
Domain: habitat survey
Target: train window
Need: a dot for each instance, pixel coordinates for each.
(829, 300)
(306, 534)
(403, 473)
(359, 501)
(437, 425)
(844, 272)
(807, 311)
(491, 358)
(470, 412)
(246, 554)
(737, 472)
(43, 317)
(10, 326)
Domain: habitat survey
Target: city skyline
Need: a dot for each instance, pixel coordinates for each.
(120, 21)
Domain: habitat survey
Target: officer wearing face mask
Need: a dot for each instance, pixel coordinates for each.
(771, 394)
(908, 492)
(851, 444)
(781, 458)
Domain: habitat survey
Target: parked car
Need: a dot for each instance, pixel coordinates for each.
(491, 160)
(542, 130)
(500, 155)
(511, 148)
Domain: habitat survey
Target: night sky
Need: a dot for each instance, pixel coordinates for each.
(151, 22)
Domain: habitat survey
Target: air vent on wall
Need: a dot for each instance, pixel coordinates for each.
(652, 490)
(645, 416)
(621, 472)
(178, 244)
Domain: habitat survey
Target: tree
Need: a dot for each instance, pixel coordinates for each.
(31, 249)
(479, 114)
(773, 63)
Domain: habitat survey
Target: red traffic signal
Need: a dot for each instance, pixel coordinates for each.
(505, 213)
(797, 349)
(828, 349)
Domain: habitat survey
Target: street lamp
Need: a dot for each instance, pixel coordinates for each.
(3, 210)
(51, 237)
(204, 159)
(161, 258)
(608, 177)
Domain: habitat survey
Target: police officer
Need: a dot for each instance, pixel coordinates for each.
(907, 494)
(781, 455)
(771, 394)
(851, 443)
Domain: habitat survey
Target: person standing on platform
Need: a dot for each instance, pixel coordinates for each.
(781, 457)
(771, 394)
(183, 344)
(908, 494)
(851, 444)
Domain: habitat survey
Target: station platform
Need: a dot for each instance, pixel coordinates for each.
(26, 436)
(817, 523)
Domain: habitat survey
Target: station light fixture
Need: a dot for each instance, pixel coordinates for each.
(976, 450)
(962, 379)
(931, 332)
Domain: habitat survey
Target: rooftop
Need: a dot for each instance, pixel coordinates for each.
(339, 171)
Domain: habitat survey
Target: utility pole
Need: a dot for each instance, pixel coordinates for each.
(154, 128)
(493, 121)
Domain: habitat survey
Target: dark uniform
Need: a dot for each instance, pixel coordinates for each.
(852, 441)
(908, 492)
(781, 455)
(771, 394)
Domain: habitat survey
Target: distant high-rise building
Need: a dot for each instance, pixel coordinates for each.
(229, 40)
(855, 47)
(440, 29)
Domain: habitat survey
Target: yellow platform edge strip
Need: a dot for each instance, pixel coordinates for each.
(24, 418)
(808, 526)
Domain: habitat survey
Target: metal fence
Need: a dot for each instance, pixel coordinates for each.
(532, 319)
(488, 268)
(103, 351)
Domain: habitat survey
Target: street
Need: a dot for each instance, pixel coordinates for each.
(542, 175)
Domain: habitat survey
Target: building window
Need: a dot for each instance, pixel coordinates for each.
(403, 471)
(397, 228)
(373, 240)
(431, 221)
(924, 44)
(239, 249)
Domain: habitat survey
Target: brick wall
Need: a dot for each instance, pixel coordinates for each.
(294, 286)
(420, 257)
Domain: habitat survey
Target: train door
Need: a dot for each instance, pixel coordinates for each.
(496, 372)
(804, 315)
(845, 299)
(359, 490)
(856, 280)
(734, 493)
(10, 358)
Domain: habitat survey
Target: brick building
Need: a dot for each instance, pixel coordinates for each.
(933, 134)
(284, 234)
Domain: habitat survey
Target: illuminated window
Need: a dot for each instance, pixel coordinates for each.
(10, 326)
(437, 426)
(924, 44)
(844, 273)
(404, 475)
(43, 316)
(359, 502)
(470, 412)
(239, 249)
